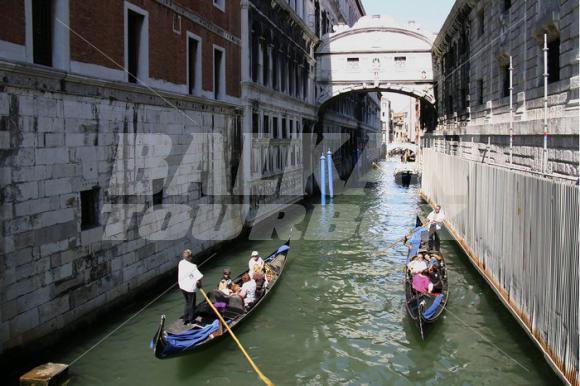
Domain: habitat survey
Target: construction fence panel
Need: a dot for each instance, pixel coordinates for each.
(521, 232)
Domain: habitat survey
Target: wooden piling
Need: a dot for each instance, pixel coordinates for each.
(48, 374)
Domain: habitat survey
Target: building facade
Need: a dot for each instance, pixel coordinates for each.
(490, 74)
(120, 136)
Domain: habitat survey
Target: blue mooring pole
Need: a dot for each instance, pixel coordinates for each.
(322, 181)
(330, 176)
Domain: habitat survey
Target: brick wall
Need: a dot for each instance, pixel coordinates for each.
(12, 21)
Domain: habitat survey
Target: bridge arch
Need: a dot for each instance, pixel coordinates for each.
(391, 58)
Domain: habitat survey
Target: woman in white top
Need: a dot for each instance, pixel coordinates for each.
(418, 265)
(188, 279)
(248, 290)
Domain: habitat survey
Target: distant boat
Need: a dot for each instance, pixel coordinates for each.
(178, 339)
(406, 175)
(423, 307)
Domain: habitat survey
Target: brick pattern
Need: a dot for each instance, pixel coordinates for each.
(52, 272)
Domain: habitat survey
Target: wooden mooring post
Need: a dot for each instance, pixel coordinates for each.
(48, 374)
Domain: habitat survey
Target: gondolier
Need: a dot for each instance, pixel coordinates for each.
(436, 218)
(188, 279)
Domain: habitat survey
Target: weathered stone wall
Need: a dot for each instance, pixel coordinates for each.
(63, 134)
(471, 57)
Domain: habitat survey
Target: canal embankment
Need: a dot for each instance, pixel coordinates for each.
(521, 233)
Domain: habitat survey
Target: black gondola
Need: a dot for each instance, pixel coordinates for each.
(178, 339)
(426, 307)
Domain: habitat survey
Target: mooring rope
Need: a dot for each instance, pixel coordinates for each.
(262, 377)
(131, 317)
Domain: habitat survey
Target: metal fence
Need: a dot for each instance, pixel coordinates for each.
(521, 233)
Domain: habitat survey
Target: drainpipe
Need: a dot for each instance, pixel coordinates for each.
(511, 111)
(545, 156)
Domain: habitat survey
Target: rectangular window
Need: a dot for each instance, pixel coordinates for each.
(42, 17)
(275, 131)
(89, 208)
(193, 65)
(283, 127)
(400, 59)
(266, 126)
(505, 73)
(218, 73)
(135, 24)
(158, 191)
(220, 4)
(554, 60)
(507, 4)
(480, 91)
(255, 124)
(291, 131)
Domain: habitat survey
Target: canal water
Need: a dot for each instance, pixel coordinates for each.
(337, 316)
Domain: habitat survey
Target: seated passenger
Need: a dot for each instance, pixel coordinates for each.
(421, 283)
(261, 284)
(225, 284)
(256, 264)
(248, 290)
(418, 265)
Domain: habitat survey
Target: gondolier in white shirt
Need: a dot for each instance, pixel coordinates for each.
(188, 279)
(435, 218)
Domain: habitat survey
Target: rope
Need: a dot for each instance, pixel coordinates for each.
(131, 317)
(262, 377)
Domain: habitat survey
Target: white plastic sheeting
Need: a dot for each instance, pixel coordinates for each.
(521, 232)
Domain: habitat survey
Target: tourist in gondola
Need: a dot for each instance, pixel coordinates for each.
(225, 284)
(256, 264)
(188, 279)
(435, 218)
(418, 265)
(248, 290)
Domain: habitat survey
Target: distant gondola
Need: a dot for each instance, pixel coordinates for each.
(178, 339)
(423, 307)
(407, 175)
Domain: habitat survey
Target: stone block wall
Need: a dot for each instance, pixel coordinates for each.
(61, 135)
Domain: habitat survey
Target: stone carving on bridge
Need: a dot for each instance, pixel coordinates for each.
(376, 54)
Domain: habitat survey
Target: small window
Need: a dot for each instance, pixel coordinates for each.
(135, 23)
(255, 123)
(481, 19)
(275, 131)
(220, 4)
(351, 60)
(284, 134)
(291, 131)
(507, 4)
(42, 16)
(400, 59)
(266, 126)
(89, 208)
(218, 73)
(193, 65)
(158, 191)
(505, 74)
(554, 60)
(177, 24)
(480, 91)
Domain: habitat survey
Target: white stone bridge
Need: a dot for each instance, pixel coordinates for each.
(376, 54)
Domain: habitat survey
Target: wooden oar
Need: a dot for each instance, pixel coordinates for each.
(263, 378)
(396, 242)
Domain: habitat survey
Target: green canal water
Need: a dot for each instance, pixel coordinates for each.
(337, 317)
